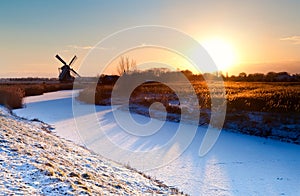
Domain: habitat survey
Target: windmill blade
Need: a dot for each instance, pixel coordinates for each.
(75, 72)
(61, 60)
(73, 59)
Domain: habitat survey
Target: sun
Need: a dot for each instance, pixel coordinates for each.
(221, 52)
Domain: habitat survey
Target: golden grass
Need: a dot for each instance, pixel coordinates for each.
(11, 95)
(249, 96)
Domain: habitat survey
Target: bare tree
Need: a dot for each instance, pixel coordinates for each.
(125, 65)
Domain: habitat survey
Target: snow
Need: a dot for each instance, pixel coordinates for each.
(33, 161)
(237, 164)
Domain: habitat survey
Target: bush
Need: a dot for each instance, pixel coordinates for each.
(11, 97)
(32, 90)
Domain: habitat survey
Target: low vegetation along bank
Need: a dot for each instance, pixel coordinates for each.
(11, 94)
(268, 109)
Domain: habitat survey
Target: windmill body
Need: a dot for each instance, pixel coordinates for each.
(66, 70)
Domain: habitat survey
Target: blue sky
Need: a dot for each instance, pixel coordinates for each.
(265, 34)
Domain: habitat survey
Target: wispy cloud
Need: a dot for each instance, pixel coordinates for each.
(294, 39)
(86, 47)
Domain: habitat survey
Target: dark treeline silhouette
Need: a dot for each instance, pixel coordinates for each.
(29, 79)
(167, 75)
(269, 77)
(171, 75)
(243, 77)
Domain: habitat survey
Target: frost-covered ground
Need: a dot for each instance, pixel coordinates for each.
(33, 161)
(237, 165)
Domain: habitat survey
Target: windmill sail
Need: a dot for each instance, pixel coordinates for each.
(72, 61)
(61, 60)
(75, 72)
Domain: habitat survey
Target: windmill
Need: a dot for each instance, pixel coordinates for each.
(65, 70)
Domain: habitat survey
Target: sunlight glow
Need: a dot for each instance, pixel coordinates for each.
(221, 52)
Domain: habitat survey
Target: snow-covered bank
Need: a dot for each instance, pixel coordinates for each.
(33, 161)
(237, 165)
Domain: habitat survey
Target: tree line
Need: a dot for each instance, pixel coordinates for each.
(269, 77)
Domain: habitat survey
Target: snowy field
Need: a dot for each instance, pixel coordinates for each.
(34, 161)
(237, 165)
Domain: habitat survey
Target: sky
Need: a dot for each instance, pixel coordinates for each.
(261, 36)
